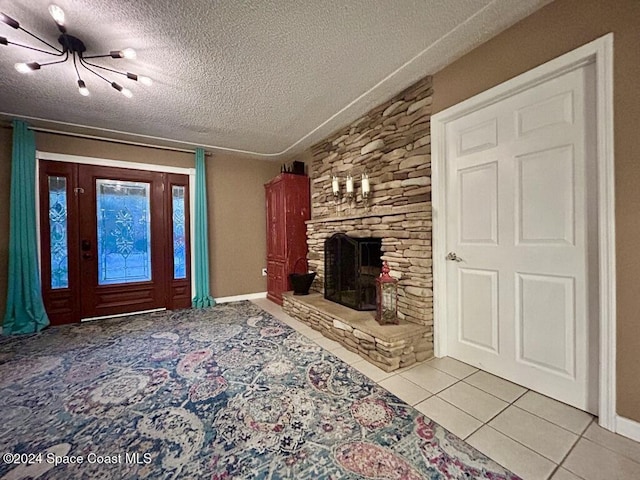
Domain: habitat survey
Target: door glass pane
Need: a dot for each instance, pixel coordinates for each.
(58, 232)
(124, 231)
(179, 226)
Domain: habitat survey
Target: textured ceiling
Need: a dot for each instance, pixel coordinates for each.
(268, 78)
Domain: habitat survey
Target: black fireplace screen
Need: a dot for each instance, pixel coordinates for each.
(351, 266)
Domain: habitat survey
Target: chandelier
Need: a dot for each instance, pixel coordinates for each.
(72, 48)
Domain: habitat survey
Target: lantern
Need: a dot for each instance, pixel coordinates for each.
(386, 297)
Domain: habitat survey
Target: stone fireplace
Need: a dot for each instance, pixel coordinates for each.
(392, 144)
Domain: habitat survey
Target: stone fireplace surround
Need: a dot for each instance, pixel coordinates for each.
(392, 143)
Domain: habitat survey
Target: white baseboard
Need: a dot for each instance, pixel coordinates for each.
(104, 317)
(238, 298)
(628, 428)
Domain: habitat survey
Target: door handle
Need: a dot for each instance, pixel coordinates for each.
(453, 257)
(85, 246)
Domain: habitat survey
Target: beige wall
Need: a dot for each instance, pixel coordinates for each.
(236, 207)
(237, 223)
(46, 142)
(552, 31)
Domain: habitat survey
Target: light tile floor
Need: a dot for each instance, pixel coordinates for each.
(532, 435)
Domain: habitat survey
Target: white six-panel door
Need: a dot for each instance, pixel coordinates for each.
(521, 229)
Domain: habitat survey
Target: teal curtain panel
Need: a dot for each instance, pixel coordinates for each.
(203, 297)
(25, 310)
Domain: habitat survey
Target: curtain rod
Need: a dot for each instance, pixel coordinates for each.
(112, 140)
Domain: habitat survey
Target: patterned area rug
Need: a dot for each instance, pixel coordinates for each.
(223, 393)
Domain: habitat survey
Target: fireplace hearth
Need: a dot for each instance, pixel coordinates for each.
(351, 268)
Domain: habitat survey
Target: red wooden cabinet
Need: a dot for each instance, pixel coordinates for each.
(288, 208)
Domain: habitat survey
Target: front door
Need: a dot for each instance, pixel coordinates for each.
(520, 231)
(113, 240)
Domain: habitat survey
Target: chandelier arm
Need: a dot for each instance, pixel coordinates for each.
(125, 91)
(60, 52)
(56, 61)
(75, 65)
(84, 59)
(36, 49)
(83, 63)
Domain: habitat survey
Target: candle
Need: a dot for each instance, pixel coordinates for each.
(335, 185)
(349, 184)
(365, 184)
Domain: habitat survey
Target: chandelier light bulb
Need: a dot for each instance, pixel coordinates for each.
(27, 67)
(139, 78)
(126, 92)
(82, 88)
(57, 13)
(9, 21)
(129, 53)
(23, 68)
(145, 80)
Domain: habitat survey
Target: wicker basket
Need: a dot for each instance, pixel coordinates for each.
(301, 282)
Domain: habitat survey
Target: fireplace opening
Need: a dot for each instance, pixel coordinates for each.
(351, 266)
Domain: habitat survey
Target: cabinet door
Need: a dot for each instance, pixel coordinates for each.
(297, 207)
(276, 240)
(277, 281)
(270, 199)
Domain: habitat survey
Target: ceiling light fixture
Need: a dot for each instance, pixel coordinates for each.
(72, 47)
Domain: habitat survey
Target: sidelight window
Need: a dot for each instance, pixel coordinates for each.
(58, 232)
(179, 232)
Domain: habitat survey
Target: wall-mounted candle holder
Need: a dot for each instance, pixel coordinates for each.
(335, 188)
(350, 190)
(366, 189)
